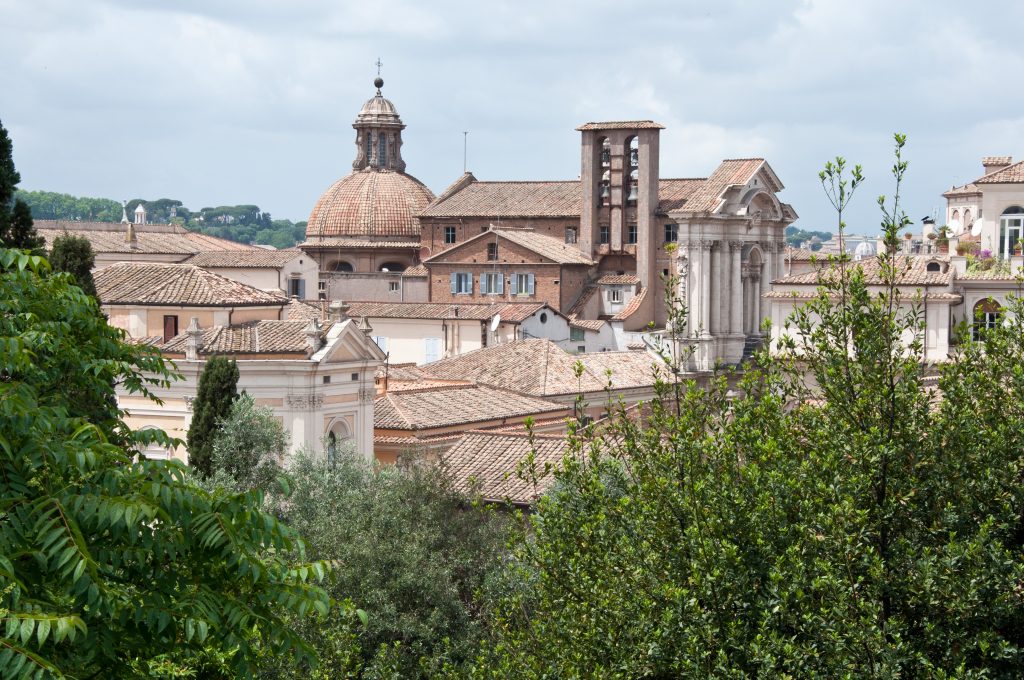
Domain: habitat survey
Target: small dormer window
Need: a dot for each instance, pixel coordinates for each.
(933, 267)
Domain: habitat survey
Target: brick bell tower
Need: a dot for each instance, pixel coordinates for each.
(619, 181)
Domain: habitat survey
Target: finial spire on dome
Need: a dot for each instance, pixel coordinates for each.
(378, 82)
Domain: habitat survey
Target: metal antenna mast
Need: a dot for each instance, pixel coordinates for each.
(465, 145)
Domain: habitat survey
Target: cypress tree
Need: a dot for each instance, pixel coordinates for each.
(16, 230)
(218, 389)
(73, 254)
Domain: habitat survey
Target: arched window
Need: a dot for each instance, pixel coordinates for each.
(341, 266)
(967, 217)
(1011, 230)
(955, 216)
(382, 150)
(392, 267)
(987, 315)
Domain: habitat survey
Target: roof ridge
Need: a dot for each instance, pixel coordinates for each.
(517, 435)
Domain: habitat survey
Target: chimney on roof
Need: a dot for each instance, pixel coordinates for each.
(130, 237)
(337, 311)
(194, 334)
(314, 338)
(996, 163)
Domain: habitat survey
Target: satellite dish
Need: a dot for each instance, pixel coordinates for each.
(976, 227)
(495, 321)
(956, 226)
(424, 253)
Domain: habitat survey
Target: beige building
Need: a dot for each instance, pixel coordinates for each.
(150, 300)
(318, 381)
(290, 272)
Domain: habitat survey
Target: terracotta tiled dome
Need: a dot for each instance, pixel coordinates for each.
(370, 202)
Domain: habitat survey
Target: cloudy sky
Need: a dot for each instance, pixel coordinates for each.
(251, 101)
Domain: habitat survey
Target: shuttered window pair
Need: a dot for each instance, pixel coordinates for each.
(462, 283)
(492, 283)
(522, 284)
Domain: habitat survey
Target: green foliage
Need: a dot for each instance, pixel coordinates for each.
(112, 565)
(837, 518)
(409, 552)
(249, 445)
(218, 390)
(73, 254)
(50, 205)
(16, 230)
(795, 236)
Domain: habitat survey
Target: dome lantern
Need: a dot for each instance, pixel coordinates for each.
(378, 134)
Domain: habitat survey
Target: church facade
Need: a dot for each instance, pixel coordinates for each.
(597, 249)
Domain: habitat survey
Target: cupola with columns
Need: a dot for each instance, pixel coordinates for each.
(378, 134)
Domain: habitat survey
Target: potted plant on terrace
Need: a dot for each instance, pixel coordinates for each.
(942, 239)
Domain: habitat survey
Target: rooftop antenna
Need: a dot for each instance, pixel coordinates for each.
(465, 146)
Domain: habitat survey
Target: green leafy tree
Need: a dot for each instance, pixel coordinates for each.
(218, 390)
(408, 551)
(249, 446)
(829, 516)
(112, 565)
(16, 230)
(73, 254)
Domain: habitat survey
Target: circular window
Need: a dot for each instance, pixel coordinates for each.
(543, 317)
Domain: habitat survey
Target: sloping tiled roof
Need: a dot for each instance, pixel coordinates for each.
(618, 280)
(484, 464)
(253, 337)
(417, 270)
(546, 246)
(108, 237)
(510, 199)
(916, 275)
(435, 406)
(1013, 174)
(989, 275)
(370, 202)
(540, 368)
(152, 283)
(965, 190)
(587, 324)
(622, 125)
(730, 172)
(512, 312)
(803, 255)
(674, 193)
(302, 310)
(261, 258)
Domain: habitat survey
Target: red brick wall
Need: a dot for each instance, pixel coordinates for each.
(553, 283)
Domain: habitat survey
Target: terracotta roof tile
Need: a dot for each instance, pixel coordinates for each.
(260, 258)
(417, 270)
(484, 464)
(804, 255)
(153, 283)
(618, 280)
(370, 202)
(916, 275)
(997, 160)
(540, 368)
(729, 173)
(622, 125)
(587, 324)
(632, 307)
(509, 199)
(302, 310)
(1013, 174)
(965, 190)
(549, 247)
(512, 312)
(109, 237)
(253, 337)
(453, 404)
(673, 194)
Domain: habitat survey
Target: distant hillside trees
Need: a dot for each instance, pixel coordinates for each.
(241, 223)
(795, 237)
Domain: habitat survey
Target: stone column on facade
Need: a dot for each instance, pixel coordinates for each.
(755, 303)
(736, 289)
(767, 274)
(718, 286)
(705, 288)
(694, 288)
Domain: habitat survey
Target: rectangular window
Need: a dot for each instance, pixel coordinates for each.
(522, 284)
(671, 233)
(605, 234)
(321, 290)
(614, 295)
(631, 233)
(431, 349)
(492, 283)
(297, 288)
(570, 235)
(575, 334)
(327, 380)
(492, 252)
(462, 283)
(449, 234)
(170, 326)
(393, 286)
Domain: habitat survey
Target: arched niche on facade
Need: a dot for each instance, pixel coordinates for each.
(341, 266)
(393, 267)
(761, 203)
(339, 434)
